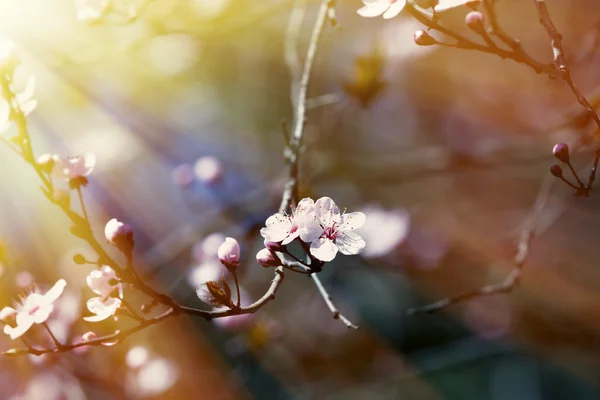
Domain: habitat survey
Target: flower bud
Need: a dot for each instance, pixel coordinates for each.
(423, 38)
(119, 235)
(86, 337)
(561, 152)
(79, 259)
(274, 246)
(229, 253)
(556, 170)
(474, 20)
(267, 259)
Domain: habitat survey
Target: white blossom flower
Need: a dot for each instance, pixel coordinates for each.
(90, 10)
(285, 228)
(103, 308)
(78, 166)
(156, 377)
(103, 283)
(34, 309)
(335, 233)
(387, 8)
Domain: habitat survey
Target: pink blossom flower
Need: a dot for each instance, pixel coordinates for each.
(335, 231)
(103, 283)
(137, 356)
(79, 166)
(229, 253)
(35, 309)
(285, 228)
(182, 175)
(387, 8)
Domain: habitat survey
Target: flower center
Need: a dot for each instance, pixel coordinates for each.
(33, 309)
(330, 232)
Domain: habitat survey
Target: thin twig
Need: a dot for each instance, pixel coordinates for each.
(336, 313)
(293, 150)
(523, 247)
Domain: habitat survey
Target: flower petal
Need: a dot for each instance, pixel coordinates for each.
(277, 228)
(374, 8)
(323, 249)
(41, 314)
(352, 221)
(394, 9)
(350, 243)
(17, 331)
(327, 212)
(55, 292)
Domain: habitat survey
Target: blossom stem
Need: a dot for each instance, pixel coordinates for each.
(54, 339)
(131, 310)
(237, 288)
(83, 209)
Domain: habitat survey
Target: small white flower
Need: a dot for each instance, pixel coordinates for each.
(35, 309)
(103, 308)
(285, 228)
(102, 282)
(387, 8)
(336, 231)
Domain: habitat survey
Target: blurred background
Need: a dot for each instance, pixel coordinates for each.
(443, 149)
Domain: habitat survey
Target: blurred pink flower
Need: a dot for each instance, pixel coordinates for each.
(208, 247)
(156, 377)
(490, 317)
(208, 169)
(182, 175)
(24, 279)
(387, 8)
(384, 230)
(78, 166)
(335, 231)
(35, 309)
(136, 357)
(210, 270)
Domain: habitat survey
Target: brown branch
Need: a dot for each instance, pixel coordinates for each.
(522, 253)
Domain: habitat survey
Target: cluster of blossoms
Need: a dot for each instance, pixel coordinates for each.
(319, 224)
(391, 8)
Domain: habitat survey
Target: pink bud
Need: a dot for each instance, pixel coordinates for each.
(119, 234)
(474, 20)
(274, 246)
(561, 152)
(208, 169)
(229, 253)
(423, 38)
(267, 259)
